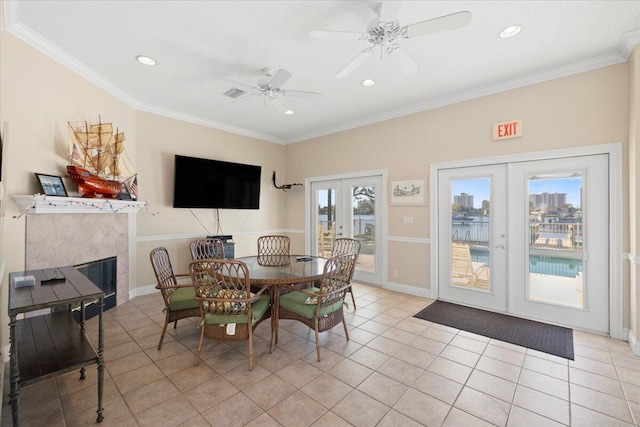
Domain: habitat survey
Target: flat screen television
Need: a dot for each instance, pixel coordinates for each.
(205, 183)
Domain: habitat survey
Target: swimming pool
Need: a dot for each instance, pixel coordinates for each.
(539, 264)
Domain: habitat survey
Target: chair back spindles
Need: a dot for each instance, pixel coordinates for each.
(274, 245)
(345, 245)
(210, 248)
(274, 250)
(163, 270)
(178, 298)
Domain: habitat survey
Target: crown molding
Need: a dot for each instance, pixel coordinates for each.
(629, 40)
(12, 25)
(172, 114)
(19, 30)
(15, 27)
(518, 82)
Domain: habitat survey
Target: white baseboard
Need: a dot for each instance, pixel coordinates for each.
(633, 343)
(406, 289)
(142, 290)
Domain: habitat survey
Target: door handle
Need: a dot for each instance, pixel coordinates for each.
(500, 246)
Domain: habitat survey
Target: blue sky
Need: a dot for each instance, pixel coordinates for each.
(479, 188)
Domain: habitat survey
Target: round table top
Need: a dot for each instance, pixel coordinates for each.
(283, 269)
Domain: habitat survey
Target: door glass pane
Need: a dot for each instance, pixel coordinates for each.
(470, 225)
(364, 225)
(326, 227)
(556, 239)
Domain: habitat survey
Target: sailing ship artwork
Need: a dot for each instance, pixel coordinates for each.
(98, 163)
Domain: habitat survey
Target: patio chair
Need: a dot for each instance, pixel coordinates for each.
(179, 302)
(463, 270)
(320, 308)
(325, 239)
(210, 248)
(229, 311)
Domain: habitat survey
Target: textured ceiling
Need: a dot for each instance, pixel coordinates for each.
(204, 48)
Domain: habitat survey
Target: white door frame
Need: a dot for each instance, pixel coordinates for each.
(308, 241)
(614, 150)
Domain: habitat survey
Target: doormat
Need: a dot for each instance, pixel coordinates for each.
(539, 336)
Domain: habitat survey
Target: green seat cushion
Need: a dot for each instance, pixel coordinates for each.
(295, 301)
(258, 308)
(183, 298)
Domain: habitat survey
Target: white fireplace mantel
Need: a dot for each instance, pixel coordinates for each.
(41, 204)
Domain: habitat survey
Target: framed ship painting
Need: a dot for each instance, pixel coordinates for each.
(408, 192)
(51, 185)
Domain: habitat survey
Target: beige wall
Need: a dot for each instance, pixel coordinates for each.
(634, 184)
(583, 109)
(160, 139)
(39, 96)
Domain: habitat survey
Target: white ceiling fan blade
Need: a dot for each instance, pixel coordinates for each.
(279, 78)
(436, 25)
(336, 35)
(389, 10)
(300, 94)
(278, 105)
(405, 62)
(355, 62)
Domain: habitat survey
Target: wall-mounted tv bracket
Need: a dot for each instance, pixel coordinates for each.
(284, 187)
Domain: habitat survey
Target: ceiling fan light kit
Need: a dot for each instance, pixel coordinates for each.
(270, 90)
(385, 32)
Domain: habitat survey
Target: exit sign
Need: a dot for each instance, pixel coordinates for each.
(506, 130)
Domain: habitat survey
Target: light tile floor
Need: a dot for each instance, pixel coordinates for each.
(395, 371)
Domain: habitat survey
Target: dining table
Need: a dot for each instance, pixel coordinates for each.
(282, 272)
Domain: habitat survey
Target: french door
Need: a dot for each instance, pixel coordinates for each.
(528, 238)
(349, 208)
(472, 229)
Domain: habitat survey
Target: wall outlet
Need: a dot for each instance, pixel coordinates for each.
(394, 273)
(408, 220)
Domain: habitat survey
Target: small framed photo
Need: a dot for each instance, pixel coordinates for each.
(124, 193)
(51, 185)
(408, 192)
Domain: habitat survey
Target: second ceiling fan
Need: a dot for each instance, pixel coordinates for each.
(271, 91)
(385, 32)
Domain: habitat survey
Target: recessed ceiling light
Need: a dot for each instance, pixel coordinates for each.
(510, 31)
(146, 60)
(367, 82)
(288, 112)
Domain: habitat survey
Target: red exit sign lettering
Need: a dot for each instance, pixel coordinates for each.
(506, 130)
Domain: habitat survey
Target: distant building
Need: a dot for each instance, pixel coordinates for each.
(485, 205)
(547, 202)
(464, 200)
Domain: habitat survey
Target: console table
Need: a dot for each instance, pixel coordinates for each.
(52, 344)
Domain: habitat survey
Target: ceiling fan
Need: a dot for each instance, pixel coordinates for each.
(385, 32)
(271, 91)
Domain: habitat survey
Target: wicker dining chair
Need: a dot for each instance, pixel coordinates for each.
(209, 248)
(320, 308)
(229, 311)
(346, 245)
(178, 299)
(274, 250)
